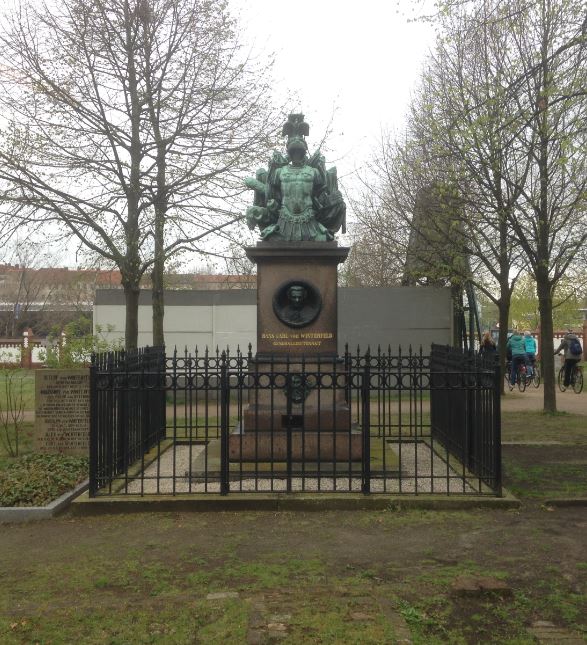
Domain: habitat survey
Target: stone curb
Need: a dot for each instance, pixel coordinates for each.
(19, 514)
(84, 506)
(566, 501)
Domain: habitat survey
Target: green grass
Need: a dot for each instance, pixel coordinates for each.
(545, 479)
(146, 579)
(558, 468)
(538, 426)
(19, 376)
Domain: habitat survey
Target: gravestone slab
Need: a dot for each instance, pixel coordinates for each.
(62, 411)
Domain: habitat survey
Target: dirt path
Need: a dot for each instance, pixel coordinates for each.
(532, 399)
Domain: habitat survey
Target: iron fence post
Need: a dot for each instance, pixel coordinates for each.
(497, 428)
(224, 403)
(93, 489)
(366, 427)
(289, 411)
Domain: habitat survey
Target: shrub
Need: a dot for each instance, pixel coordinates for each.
(11, 408)
(36, 480)
(79, 346)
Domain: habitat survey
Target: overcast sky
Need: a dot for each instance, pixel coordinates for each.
(353, 62)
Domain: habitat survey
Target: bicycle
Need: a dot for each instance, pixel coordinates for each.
(535, 377)
(522, 378)
(576, 379)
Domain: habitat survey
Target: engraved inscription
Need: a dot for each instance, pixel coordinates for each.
(62, 416)
(297, 339)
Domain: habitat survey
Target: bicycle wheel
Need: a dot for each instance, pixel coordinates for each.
(521, 379)
(536, 379)
(561, 379)
(578, 383)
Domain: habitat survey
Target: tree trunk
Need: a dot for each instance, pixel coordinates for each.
(504, 314)
(546, 336)
(131, 329)
(161, 201)
(543, 251)
(157, 286)
(131, 280)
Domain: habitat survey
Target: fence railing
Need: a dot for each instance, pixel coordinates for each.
(26, 352)
(127, 411)
(381, 422)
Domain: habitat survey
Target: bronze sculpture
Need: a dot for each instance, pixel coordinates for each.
(296, 199)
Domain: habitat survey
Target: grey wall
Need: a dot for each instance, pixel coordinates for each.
(387, 316)
(394, 316)
(192, 318)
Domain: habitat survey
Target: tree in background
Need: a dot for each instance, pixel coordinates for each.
(525, 309)
(128, 122)
(26, 291)
(549, 223)
(498, 126)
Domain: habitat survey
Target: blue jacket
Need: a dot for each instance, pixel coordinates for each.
(530, 344)
(516, 342)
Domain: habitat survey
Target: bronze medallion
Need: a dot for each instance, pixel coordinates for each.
(297, 303)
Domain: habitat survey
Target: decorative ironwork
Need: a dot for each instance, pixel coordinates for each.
(217, 422)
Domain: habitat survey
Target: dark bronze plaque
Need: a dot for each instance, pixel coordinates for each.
(297, 303)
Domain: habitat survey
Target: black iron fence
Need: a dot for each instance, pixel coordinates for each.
(218, 422)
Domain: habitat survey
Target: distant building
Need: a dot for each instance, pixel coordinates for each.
(41, 298)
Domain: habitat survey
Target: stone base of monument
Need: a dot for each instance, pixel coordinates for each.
(312, 330)
(205, 466)
(264, 418)
(297, 446)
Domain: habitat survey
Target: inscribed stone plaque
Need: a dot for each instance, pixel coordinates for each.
(62, 415)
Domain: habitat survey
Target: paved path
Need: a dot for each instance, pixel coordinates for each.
(533, 399)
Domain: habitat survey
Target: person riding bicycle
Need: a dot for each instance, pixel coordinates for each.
(572, 352)
(530, 345)
(518, 347)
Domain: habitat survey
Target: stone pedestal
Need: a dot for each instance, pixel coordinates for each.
(297, 340)
(313, 264)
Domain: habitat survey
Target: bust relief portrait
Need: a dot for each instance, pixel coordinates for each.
(297, 303)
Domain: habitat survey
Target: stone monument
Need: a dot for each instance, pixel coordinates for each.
(62, 411)
(298, 209)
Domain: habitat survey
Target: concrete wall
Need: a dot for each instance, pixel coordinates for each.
(394, 316)
(383, 316)
(192, 318)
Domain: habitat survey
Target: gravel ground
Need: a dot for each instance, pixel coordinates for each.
(435, 476)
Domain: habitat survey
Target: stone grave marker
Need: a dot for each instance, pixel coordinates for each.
(62, 411)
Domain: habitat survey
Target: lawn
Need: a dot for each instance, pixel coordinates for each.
(333, 577)
(535, 426)
(24, 381)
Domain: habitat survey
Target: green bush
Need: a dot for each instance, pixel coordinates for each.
(79, 344)
(36, 480)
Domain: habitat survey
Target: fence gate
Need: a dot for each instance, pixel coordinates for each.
(191, 423)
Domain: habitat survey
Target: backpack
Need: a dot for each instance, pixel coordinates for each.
(575, 347)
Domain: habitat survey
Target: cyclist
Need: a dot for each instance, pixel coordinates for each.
(518, 347)
(530, 345)
(572, 352)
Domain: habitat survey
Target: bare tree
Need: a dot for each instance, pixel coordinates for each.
(469, 113)
(499, 123)
(130, 121)
(27, 290)
(550, 225)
